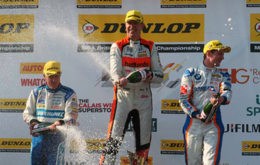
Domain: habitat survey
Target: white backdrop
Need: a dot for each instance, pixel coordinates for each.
(54, 30)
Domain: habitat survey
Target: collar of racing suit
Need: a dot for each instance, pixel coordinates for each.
(53, 90)
(207, 69)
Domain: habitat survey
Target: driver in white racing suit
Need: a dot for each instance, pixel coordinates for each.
(132, 101)
(52, 104)
(200, 85)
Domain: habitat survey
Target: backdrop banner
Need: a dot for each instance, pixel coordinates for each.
(79, 35)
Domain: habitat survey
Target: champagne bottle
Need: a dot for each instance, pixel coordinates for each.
(208, 108)
(137, 76)
(41, 127)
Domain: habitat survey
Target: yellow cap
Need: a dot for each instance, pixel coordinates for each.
(52, 68)
(134, 15)
(215, 45)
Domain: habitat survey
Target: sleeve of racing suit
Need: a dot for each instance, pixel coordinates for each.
(71, 110)
(186, 93)
(156, 66)
(29, 111)
(225, 88)
(115, 63)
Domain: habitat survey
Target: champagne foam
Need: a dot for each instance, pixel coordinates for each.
(75, 146)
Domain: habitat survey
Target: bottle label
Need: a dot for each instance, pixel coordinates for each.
(143, 74)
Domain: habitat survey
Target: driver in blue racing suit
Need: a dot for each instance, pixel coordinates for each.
(200, 85)
(54, 104)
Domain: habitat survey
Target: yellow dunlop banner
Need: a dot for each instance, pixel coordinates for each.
(12, 105)
(255, 27)
(172, 146)
(251, 148)
(12, 4)
(158, 28)
(15, 145)
(183, 3)
(253, 1)
(19, 2)
(167, 2)
(126, 161)
(98, 2)
(31, 68)
(16, 28)
(171, 107)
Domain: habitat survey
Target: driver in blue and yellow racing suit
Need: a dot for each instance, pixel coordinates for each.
(53, 104)
(200, 85)
(132, 101)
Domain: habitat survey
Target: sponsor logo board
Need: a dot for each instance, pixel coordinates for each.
(16, 33)
(12, 105)
(171, 107)
(15, 145)
(99, 3)
(175, 147)
(14, 4)
(252, 3)
(96, 31)
(183, 3)
(251, 148)
(255, 32)
(31, 68)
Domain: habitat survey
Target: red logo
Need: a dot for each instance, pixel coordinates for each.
(184, 89)
(144, 96)
(89, 28)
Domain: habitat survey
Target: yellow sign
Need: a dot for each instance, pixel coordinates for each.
(168, 2)
(12, 103)
(250, 146)
(255, 27)
(15, 143)
(19, 2)
(158, 28)
(16, 28)
(252, 1)
(31, 68)
(170, 105)
(172, 146)
(98, 2)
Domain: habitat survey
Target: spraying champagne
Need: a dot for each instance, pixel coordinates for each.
(45, 127)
